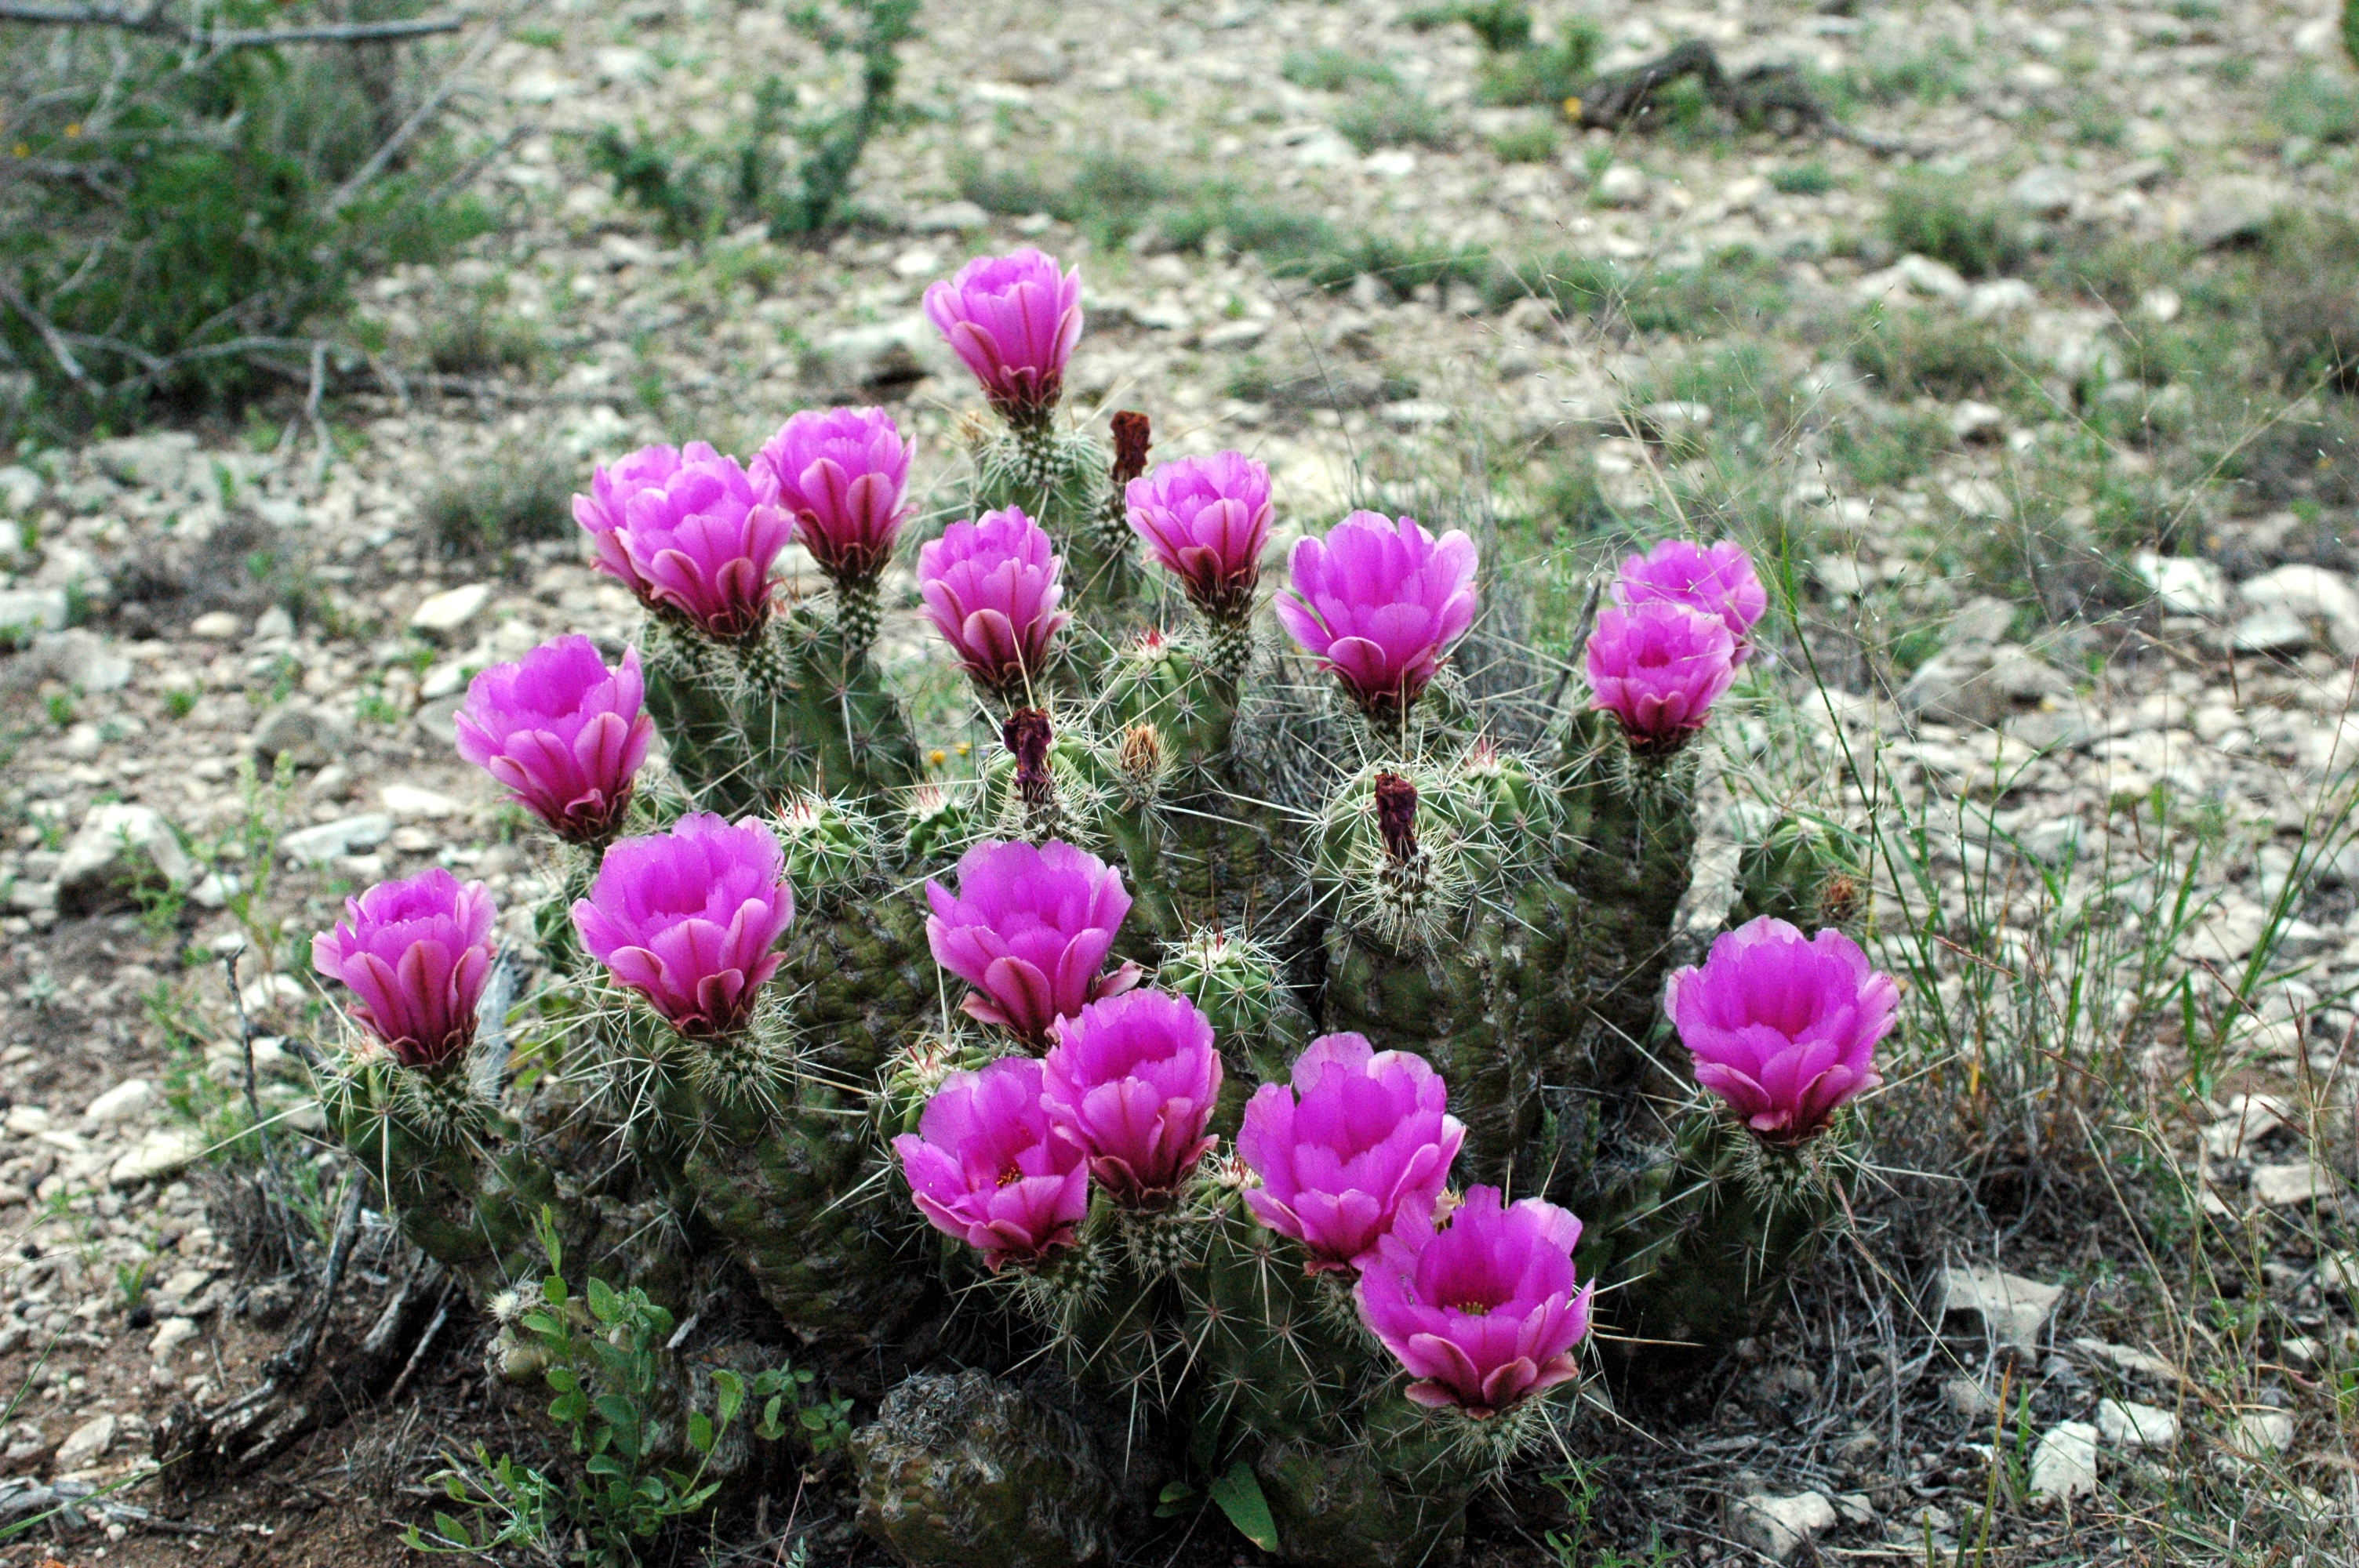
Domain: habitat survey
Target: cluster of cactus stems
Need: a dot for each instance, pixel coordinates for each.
(1212, 1079)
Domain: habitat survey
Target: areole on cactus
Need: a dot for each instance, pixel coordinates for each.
(1225, 1055)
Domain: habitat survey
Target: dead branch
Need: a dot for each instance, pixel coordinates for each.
(39, 13)
(1774, 96)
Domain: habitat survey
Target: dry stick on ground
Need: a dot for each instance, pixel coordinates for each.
(1761, 95)
(35, 13)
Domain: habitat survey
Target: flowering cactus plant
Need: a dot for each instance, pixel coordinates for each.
(1214, 1071)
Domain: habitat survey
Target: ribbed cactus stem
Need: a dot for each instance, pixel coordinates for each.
(1229, 645)
(1037, 464)
(766, 665)
(859, 613)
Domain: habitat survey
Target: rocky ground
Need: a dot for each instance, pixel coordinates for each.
(243, 646)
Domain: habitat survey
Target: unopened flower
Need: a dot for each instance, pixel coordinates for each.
(1014, 321)
(1358, 1137)
(563, 733)
(1380, 602)
(1718, 580)
(1132, 1080)
(1029, 929)
(700, 545)
(985, 1167)
(416, 954)
(1206, 519)
(688, 919)
(1658, 668)
(841, 476)
(1782, 1027)
(1482, 1306)
(990, 587)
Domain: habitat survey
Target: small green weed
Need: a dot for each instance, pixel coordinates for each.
(605, 1365)
(1528, 144)
(1809, 178)
(60, 707)
(1391, 117)
(1336, 71)
(1940, 217)
(180, 701)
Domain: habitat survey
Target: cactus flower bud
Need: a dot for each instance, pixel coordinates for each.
(600, 512)
(1207, 519)
(1658, 668)
(1380, 602)
(1784, 1028)
(1132, 1080)
(1027, 735)
(986, 1166)
(990, 587)
(563, 733)
(1396, 817)
(1140, 757)
(1357, 1137)
(699, 543)
(1014, 321)
(1718, 580)
(688, 919)
(1130, 444)
(841, 476)
(1482, 1308)
(1030, 929)
(416, 955)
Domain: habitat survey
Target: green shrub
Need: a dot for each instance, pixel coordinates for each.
(1502, 25)
(2306, 290)
(1546, 74)
(1938, 217)
(698, 186)
(179, 222)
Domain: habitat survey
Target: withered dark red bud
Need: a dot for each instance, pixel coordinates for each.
(1027, 735)
(1130, 445)
(1397, 815)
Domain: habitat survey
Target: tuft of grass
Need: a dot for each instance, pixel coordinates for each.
(1391, 117)
(1810, 178)
(477, 340)
(1940, 217)
(1939, 75)
(2306, 292)
(1880, 451)
(1528, 144)
(492, 511)
(1918, 352)
(1336, 71)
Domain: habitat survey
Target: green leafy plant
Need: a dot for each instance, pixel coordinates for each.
(601, 1352)
(698, 187)
(185, 216)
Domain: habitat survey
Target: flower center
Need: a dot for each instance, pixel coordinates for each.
(1010, 1174)
(1472, 1308)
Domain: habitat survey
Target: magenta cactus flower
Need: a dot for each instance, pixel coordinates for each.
(1030, 929)
(600, 512)
(1782, 1027)
(841, 476)
(1657, 668)
(986, 1166)
(1380, 602)
(699, 543)
(990, 587)
(1359, 1137)
(1132, 1080)
(1483, 1309)
(1014, 321)
(1718, 580)
(688, 919)
(416, 954)
(563, 733)
(1206, 519)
